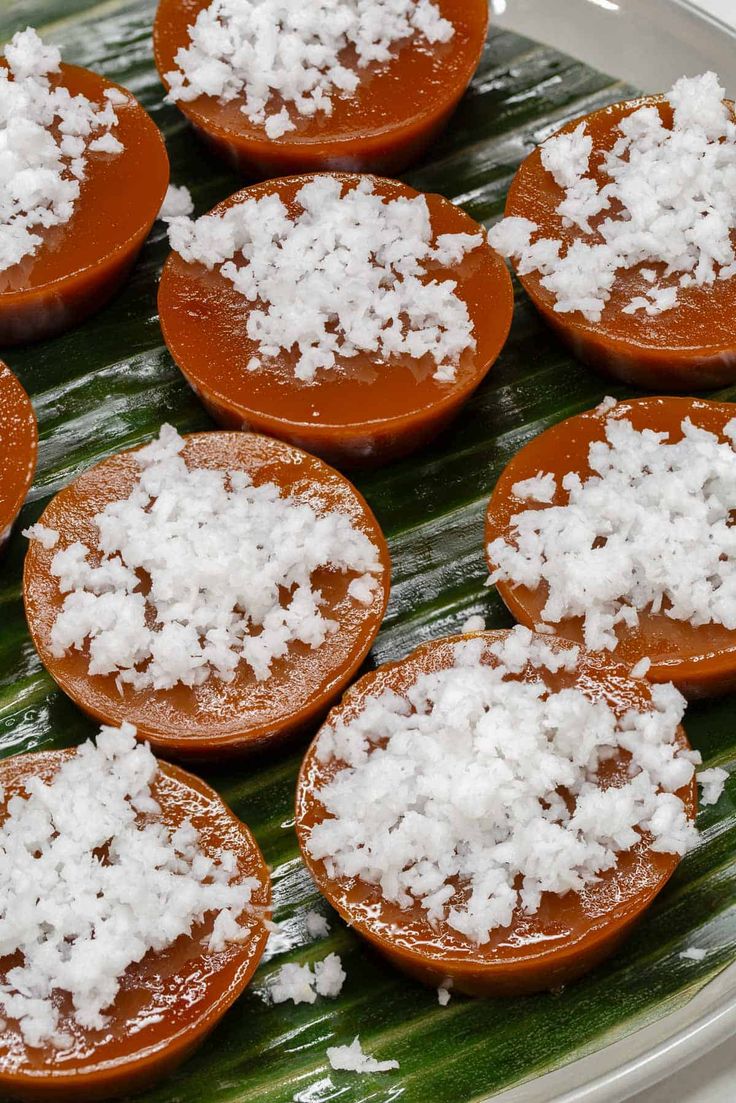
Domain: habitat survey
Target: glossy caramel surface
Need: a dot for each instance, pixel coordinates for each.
(364, 409)
(215, 716)
(700, 660)
(18, 448)
(692, 346)
(568, 934)
(395, 111)
(118, 201)
(169, 1001)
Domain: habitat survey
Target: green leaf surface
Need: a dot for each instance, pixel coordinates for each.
(110, 384)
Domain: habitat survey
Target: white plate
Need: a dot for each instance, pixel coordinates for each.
(649, 44)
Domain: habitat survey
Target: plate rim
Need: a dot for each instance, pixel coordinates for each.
(708, 1018)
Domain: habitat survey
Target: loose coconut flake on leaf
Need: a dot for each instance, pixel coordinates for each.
(712, 783)
(317, 925)
(303, 983)
(178, 203)
(459, 780)
(693, 954)
(347, 275)
(352, 1059)
(219, 553)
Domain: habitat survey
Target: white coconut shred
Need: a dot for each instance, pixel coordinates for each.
(178, 203)
(47, 139)
(352, 1058)
(458, 782)
(317, 925)
(230, 567)
(668, 196)
(287, 59)
(78, 921)
(303, 983)
(713, 784)
(347, 275)
(693, 953)
(650, 530)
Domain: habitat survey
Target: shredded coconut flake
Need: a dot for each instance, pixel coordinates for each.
(77, 921)
(286, 59)
(641, 669)
(650, 529)
(46, 137)
(46, 537)
(713, 783)
(302, 983)
(178, 203)
(352, 1059)
(293, 982)
(329, 976)
(347, 275)
(460, 780)
(476, 623)
(317, 925)
(220, 553)
(668, 197)
(540, 488)
(106, 143)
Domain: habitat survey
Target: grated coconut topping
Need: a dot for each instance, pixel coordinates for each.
(77, 920)
(46, 139)
(288, 59)
(668, 198)
(650, 530)
(46, 537)
(458, 782)
(220, 553)
(347, 275)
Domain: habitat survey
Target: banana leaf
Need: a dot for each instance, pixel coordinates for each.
(111, 383)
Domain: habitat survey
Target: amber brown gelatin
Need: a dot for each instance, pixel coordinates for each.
(700, 660)
(363, 414)
(18, 449)
(81, 264)
(691, 347)
(569, 934)
(169, 1001)
(395, 114)
(216, 718)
